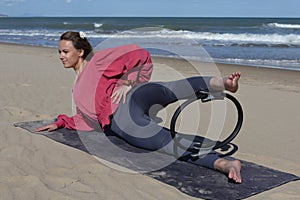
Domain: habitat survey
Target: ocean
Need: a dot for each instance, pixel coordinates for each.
(260, 42)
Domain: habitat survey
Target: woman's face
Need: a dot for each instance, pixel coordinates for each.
(68, 55)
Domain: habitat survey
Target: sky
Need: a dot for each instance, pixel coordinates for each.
(151, 8)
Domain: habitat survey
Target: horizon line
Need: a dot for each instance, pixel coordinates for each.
(274, 17)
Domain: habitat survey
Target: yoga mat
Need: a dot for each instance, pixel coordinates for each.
(188, 178)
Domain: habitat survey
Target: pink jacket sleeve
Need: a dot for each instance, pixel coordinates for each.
(139, 70)
(129, 62)
(75, 122)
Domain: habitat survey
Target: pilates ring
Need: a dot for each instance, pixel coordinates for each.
(207, 97)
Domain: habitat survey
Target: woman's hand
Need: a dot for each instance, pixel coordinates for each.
(120, 93)
(49, 127)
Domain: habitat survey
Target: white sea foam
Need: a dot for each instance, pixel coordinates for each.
(278, 25)
(97, 25)
(241, 38)
(203, 37)
(28, 33)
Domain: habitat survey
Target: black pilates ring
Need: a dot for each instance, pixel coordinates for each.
(206, 97)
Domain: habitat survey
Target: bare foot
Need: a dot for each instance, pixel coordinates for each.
(231, 82)
(231, 168)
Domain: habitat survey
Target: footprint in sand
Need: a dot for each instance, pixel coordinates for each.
(25, 84)
(20, 84)
(15, 111)
(19, 112)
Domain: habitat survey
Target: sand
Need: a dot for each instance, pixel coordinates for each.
(34, 86)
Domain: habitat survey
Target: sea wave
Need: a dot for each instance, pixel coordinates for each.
(209, 37)
(97, 25)
(28, 33)
(205, 38)
(289, 26)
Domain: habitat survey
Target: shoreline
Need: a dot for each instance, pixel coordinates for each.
(35, 86)
(237, 64)
(166, 57)
(282, 77)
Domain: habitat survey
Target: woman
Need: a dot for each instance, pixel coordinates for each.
(112, 90)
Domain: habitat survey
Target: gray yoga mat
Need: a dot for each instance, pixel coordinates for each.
(188, 178)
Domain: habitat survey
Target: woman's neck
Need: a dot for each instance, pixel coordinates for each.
(80, 67)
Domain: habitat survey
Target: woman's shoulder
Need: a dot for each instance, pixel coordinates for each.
(114, 52)
(126, 47)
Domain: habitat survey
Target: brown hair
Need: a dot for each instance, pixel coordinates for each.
(78, 42)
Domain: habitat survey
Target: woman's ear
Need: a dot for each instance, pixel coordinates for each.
(81, 52)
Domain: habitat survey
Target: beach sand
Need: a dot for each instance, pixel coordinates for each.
(34, 86)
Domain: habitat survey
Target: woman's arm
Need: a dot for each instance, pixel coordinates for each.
(75, 122)
(138, 69)
(128, 62)
(138, 66)
(132, 66)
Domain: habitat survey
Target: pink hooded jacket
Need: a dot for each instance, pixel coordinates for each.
(102, 75)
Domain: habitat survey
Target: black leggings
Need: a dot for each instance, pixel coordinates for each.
(133, 123)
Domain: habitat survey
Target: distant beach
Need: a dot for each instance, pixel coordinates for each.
(260, 42)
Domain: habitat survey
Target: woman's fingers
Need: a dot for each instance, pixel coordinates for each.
(116, 97)
(41, 128)
(50, 127)
(120, 94)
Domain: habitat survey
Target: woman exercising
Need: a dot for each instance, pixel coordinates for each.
(112, 90)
